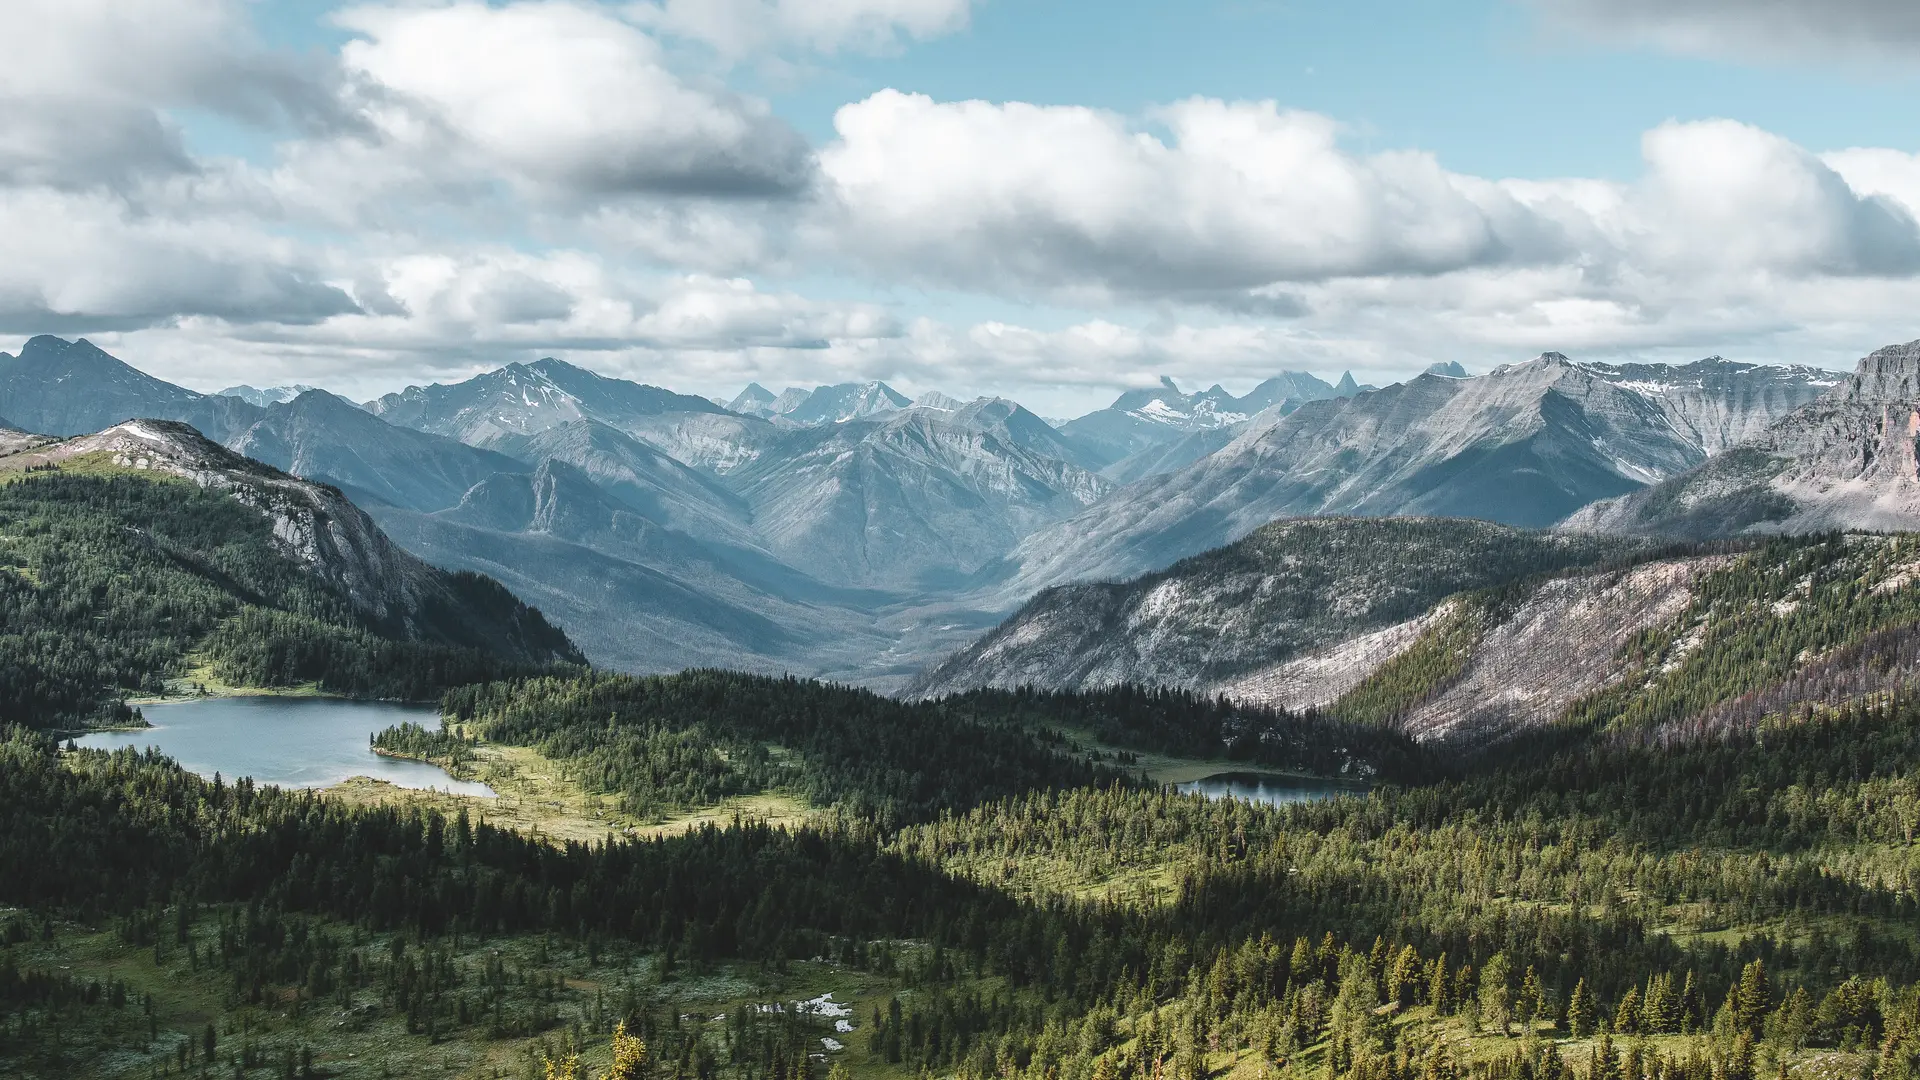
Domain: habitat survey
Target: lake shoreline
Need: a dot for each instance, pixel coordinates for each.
(285, 741)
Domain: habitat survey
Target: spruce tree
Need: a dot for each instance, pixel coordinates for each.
(1580, 1011)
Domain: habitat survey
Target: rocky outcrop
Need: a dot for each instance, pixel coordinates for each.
(1526, 670)
(1843, 461)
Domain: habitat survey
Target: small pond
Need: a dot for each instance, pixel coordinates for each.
(292, 742)
(1269, 788)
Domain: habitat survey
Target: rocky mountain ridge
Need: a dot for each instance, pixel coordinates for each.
(1525, 444)
(1843, 461)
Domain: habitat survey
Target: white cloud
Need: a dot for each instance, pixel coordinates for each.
(561, 97)
(737, 28)
(1250, 209)
(84, 89)
(1721, 193)
(1027, 197)
(1788, 29)
(88, 260)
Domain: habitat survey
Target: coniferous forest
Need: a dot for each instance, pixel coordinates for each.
(1711, 881)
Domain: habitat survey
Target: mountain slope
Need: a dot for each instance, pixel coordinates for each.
(1523, 445)
(635, 594)
(1844, 461)
(846, 401)
(522, 399)
(153, 543)
(272, 395)
(323, 437)
(58, 387)
(1647, 646)
(1225, 615)
(925, 496)
(642, 476)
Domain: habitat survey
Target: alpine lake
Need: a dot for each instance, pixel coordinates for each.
(292, 742)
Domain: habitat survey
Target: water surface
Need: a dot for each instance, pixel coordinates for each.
(292, 742)
(1269, 788)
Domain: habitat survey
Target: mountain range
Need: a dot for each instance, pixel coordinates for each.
(1526, 444)
(851, 532)
(1844, 461)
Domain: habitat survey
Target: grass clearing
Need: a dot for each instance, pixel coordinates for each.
(538, 796)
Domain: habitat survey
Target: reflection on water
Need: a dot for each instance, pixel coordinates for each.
(292, 742)
(1266, 788)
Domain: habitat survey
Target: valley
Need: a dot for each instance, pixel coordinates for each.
(1353, 771)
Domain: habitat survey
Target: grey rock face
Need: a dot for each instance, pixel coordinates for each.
(272, 395)
(921, 496)
(844, 402)
(521, 399)
(755, 400)
(323, 437)
(646, 479)
(1129, 438)
(1843, 461)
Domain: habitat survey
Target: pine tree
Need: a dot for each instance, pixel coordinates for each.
(1496, 1000)
(1626, 1015)
(1580, 1012)
(1752, 998)
(1531, 1003)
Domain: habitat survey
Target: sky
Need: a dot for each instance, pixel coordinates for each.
(1044, 199)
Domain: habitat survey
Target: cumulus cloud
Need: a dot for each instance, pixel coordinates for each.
(84, 261)
(1724, 193)
(448, 316)
(562, 97)
(1245, 204)
(736, 28)
(1791, 29)
(1242, 195)
(83, 93)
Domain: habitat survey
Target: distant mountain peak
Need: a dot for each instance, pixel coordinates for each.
(1346, 387)
(1448, 369)
(272, 395)
(755, 400)
(934, 399)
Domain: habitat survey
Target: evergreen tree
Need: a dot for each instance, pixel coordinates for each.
(1580, 1011)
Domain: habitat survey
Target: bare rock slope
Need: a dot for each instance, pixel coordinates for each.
(1843, 461)
(1234, 614)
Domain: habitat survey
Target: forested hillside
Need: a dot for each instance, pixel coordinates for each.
(1734, 908)
(115, 583)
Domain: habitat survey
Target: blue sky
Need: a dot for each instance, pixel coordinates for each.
(364, 197)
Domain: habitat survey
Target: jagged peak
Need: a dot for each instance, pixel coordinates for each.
(1889, 374)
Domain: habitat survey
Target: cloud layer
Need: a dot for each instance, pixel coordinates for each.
(1789, 29)
(464, 183)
